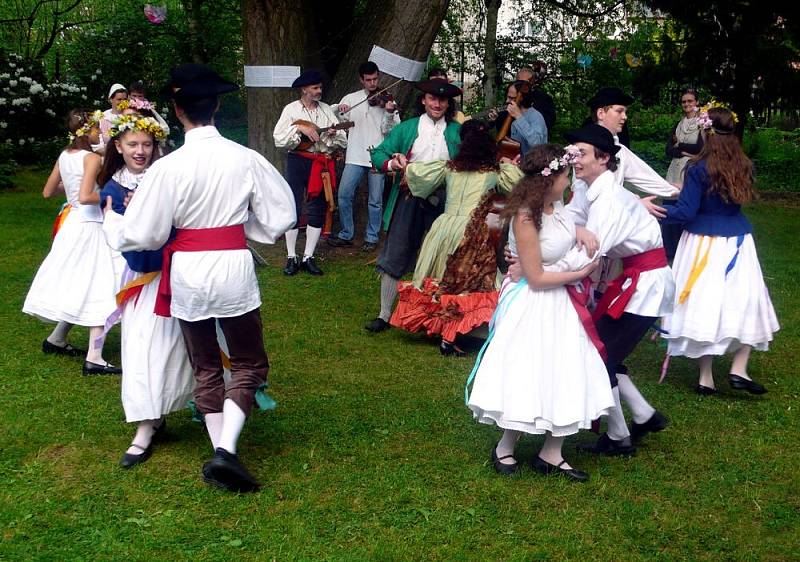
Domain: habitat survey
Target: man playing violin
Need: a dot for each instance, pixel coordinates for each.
(373, 121)
(309, 159)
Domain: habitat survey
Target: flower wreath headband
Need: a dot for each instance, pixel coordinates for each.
(135, 103)
(571, 155)
(92, 120)
(704, 121)
(137, 123)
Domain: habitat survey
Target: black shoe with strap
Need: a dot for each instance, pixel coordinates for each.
(66, 349)
(90, 368)
(503, 468)
(656, 423)
(609, 447)
(129, 461)
(291, 266)
(543, 467)
(310, 266)
(226, 472)
(741, 383)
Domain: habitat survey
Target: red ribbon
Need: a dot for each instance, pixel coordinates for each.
(632, 266)
(321, 163)
(579, 301)
(195, 240)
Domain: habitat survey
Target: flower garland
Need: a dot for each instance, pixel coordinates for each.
(137, 123)
(704, 121)
(571, 155)
(92, 120)
(135, 103)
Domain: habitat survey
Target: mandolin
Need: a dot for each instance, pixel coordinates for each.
(306, 143)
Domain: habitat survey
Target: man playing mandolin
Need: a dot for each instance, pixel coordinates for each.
(311, 133)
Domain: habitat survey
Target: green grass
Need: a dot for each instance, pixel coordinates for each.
(371, 454)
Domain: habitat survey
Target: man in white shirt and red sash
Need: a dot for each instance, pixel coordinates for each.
(215, 193)
(634, 300)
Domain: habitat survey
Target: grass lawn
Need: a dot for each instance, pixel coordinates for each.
(372, 455)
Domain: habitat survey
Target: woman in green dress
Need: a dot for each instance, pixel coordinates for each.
(454, 288)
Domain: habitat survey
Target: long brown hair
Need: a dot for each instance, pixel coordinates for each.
(730, 171)
(529, 193)
(477, 151)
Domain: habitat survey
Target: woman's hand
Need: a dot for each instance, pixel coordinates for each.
(652, 208)
(587, 270)
(586, 240)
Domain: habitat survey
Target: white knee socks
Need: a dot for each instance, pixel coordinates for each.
(706, 372)
(233, 422)
(388, 295)
(740, 359)
(617, 428)
(59, 334)
(640, 408)
(95, 353)
(551, 450)
(214, 427)
(143, 437)
(507, 444)
(312, 237)
(291, 242)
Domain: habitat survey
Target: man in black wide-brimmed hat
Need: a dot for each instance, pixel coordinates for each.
(214, 193)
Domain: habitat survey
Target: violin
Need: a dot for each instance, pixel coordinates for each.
(380, 100)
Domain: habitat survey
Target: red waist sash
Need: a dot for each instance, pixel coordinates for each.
(195, 240)
(579, 301)
(321, 163)
(617, 296)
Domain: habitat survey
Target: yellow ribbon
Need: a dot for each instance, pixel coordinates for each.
(139, 281)
(698, 265)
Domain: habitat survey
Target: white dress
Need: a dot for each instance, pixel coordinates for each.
(540, 371)
(77, 281)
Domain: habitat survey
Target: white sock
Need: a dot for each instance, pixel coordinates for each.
(59, 334)
(291, 242)
(214, 427)
(640, 408)
(617, 428)
(551, 450)
(233, 422)
(95, 353)
(706, 371)
(388, 295)
(312, 237)
(740, 359)
(507, 444)
(143, 437)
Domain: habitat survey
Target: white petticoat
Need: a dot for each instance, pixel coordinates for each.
(722, 312)
(76, 282)
(540, 371)
(156, 374)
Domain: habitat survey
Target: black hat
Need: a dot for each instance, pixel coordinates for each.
(438, 87)
(609, 96)
(196, 81)
(596, 135)
(307, 78)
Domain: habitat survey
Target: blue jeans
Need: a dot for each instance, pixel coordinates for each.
(351, 177)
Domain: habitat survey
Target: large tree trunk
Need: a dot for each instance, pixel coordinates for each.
(490, 52)
(195, 24)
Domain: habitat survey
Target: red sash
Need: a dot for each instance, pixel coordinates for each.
(632, 266)
(579, 301)
(321, 162)
(195, 240)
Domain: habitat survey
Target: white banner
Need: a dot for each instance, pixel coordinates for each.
(395, 65)
(270, 76)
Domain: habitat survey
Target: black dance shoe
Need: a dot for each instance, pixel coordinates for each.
(501, 468)
(226, 472)
(656, 423)
(310, 266)
(608, 447)
(705, 390)
(543, 467)
(741, 383)
(447, 349)
(291, 266)
(129, 461)
(67, 349)
(377, 325)
(337, 242)
(90, 368)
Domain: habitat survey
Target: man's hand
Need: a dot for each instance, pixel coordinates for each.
(493, 114)
(652, 208)
(310, 132)
(343, 108)
(513, 110)
(586, 240)
(399, 161)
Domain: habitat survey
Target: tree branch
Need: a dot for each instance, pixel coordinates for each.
(572, 8)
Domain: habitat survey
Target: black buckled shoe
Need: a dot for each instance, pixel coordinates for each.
(128, 460)
(705, 390)
(608, 447)
(543, 467)
(337, 242)
(291, 266)
(67, 349)
(502, 468)
(741, 383)
(310, 266)
(656, 423)
(226, 472)
(90, 368)
(377, 325)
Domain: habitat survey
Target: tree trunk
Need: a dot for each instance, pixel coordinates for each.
(490, 52)
(192, 8)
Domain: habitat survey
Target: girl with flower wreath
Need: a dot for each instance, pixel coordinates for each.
(157, 377)
(540, 371)
(722, 304)
(76, 283)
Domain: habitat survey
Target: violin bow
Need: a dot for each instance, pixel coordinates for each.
(395, 83)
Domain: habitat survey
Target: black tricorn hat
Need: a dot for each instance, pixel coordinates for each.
(596, 135)
(307, 78)
(437, 87)
(196, 81)
(609, 96)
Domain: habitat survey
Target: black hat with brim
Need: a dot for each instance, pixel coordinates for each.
(596, 135)
(609, 96)
(440, 88)
(196, 81)
(307, 78)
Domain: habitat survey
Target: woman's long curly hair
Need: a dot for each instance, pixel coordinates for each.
(529, 194)
(730, 171)
(477, 151)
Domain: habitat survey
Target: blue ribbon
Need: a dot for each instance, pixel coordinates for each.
(264, 401)
(739, 240)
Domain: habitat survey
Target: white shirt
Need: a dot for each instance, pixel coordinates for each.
(623, 228)
(372, 124)
(287, 136)
(430, 143)
(209, 182)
